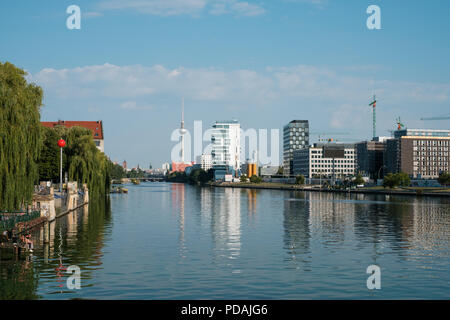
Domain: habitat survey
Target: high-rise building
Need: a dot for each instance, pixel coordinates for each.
(295, 137)
(370, 157)
(311, 162)
(421, 153)
(205, 161)
(226, 144)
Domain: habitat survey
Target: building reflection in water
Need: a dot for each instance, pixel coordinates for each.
(330, 218)
(178, 194)
(296, 227)
(226, 223)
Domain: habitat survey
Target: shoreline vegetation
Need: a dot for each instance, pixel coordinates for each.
(29, 152)
(397, 184)
(412, 191)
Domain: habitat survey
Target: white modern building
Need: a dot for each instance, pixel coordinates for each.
(226, 144)
(310, 161)
(205, 161)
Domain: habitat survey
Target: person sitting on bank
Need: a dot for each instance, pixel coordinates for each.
(29, 243)
(5, 236)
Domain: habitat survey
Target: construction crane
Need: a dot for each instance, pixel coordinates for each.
(444, 117)
(400, 125)
(373, 104)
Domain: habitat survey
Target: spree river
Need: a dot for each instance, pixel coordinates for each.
(176, 241)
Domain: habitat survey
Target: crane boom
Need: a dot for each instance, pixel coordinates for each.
(435, 118)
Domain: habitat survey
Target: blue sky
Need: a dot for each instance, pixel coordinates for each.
(262, 62)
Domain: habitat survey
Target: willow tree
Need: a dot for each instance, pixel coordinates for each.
(20, 136)
(82, 160)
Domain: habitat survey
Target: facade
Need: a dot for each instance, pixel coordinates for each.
(295, 137)
(180, 166)
(310, 162)
(421, 153)
(370, 157)
(250, 169)
(96, 127)
(205, 161)
(226, 144)
(268, 171)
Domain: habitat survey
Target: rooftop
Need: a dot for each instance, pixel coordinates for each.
(96, 127)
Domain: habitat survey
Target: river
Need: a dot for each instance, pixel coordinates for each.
(176, 241)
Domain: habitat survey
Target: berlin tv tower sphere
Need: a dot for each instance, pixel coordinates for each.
(182, 131)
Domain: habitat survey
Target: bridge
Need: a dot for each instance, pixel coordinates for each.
(149, 178)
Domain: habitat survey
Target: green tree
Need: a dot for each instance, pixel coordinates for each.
(395, 180)
(48, 161)
(243, 178)
(358, 179)
(403, 179)
(255, 179)
(444, 179)
(117, 171)
(280, 171)
(300, 179)
(81, 158)
(20, 136)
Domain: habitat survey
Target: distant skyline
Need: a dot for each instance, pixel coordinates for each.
(264, 63)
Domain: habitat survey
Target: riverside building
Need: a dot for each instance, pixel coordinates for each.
(295, 137)
(311, 163)
(226, 144)
(421, 153)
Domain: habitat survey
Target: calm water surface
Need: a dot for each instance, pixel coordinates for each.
(175, 241)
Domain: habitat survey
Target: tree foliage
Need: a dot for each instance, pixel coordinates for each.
(200, 176)
(396, 180)
(444, 179)
(255, 179)
(82, 160)
(300, 179)
(20, 136)
(243, 178)
(358, 179)
(117, 171)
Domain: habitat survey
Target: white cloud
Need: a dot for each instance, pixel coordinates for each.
(92, 14)
(339, 98)
(184, 7)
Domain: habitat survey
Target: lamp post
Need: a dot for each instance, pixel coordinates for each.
(379, 171)
(61, 144)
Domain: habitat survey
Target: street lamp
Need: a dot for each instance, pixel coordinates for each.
(379, 170)
(61, 144)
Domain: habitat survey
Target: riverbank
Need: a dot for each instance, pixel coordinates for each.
(436, 192)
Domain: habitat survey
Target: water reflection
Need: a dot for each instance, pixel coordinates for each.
(226, 223)
(296, 224)
(181, 241)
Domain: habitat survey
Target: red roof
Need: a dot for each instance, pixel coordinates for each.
(96, 127)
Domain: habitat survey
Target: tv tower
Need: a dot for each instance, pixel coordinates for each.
(182, 130)
(373, 104)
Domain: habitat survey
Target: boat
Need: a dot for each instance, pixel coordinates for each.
(119, 190)
(136, 181)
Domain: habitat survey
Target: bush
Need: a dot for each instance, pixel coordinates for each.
(243, 178)
(444, 179)
(300, 179)
(358, 179)
(255, 179)
(396, 180)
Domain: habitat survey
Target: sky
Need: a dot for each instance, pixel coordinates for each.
(261, 62)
